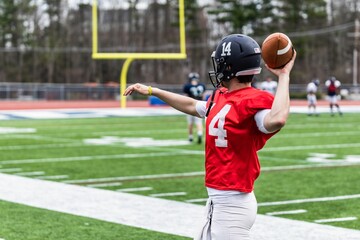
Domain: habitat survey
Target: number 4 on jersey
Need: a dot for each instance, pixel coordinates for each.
(219, 131)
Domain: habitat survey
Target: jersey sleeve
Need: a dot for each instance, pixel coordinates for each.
(259, 119)
(201, 108)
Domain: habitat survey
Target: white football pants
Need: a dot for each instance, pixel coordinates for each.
(229, 218)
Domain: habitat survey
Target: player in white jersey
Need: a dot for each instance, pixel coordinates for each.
(311, 90)
(269, 85)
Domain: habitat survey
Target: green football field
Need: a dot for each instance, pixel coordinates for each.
(310, 170)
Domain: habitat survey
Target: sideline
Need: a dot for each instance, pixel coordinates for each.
(155, 214)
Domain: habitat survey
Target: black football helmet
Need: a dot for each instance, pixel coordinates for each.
(236, 55)
(193, 76)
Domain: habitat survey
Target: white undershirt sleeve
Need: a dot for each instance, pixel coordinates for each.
(201, 108)
(259, 119)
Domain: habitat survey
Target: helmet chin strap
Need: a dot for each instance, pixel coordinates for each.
(211, 102)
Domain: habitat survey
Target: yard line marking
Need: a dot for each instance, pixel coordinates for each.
(54, 177)
(319, 134)
(142, 177)
(286, 212)
(98, 157)
(170, 194)
(322, 125)
(105, 184)
(135, 189)
(37, 137)
(129, 132)
(196, 200)
(201, 173)
(140, 132)
(293, 148)
(9, 170)
(29, 174)
(267, 158)
(12, 130)
(320, 165)
(336, 220)
(41, 146)
(309, 200)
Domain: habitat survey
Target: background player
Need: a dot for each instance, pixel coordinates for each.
(240, 119)
(269, 85)
(311, 90)
(333, 86)
(194, 89)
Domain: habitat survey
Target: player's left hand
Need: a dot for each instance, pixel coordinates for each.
(140, 88)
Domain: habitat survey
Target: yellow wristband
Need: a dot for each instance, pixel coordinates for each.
(150, 90)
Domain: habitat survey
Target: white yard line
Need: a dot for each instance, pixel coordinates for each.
(311, 166)
(37, 137)
(155, 214)
(323, 125)
(305, 147)
(114, 184)
(29, 174)
(317, 134)
(170, 194)
(9, 170)
(42, 146)
(197, 200)
(336, 220)
(196, 174)
(96, 157)
(141, 177)
(54, 177)
(157, 154)
(286, 212)
(308, 200)
(139, 189)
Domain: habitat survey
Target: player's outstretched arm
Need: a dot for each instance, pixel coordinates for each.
(180, 102)
(279, 112)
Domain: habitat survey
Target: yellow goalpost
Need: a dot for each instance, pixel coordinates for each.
(131, 56)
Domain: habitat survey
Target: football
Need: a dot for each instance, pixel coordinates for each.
(277, 50)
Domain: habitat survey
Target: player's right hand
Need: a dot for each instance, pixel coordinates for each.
(140, 88)
(286, 69)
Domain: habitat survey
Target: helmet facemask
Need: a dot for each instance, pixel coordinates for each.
(216, 76)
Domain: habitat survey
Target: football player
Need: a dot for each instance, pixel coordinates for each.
(269, 85)
(333, 86)
(194, 89)
(311, 90)
(240, 119)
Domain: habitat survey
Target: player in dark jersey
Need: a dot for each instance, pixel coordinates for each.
(194, 89)
(239, 121)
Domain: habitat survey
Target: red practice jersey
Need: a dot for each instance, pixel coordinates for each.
(233, 139)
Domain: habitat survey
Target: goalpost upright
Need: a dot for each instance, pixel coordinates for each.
(131, 56)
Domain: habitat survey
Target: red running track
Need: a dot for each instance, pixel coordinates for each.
(21, 105)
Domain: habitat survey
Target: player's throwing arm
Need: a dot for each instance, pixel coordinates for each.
(182, 103)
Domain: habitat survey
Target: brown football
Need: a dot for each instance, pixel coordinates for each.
(277, 50)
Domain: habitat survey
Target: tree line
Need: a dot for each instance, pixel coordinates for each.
(49, 41)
